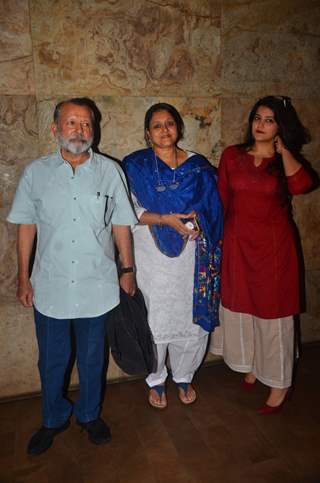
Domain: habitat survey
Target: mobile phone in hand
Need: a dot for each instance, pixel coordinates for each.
(191, 223)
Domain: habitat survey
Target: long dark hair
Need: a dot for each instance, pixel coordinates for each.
(163, 106)
(290, 129)
(292, 132)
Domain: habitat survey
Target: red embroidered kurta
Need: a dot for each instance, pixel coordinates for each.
(260, 273)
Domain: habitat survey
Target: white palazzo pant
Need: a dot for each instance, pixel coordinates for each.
(264, 347)
(185, 358)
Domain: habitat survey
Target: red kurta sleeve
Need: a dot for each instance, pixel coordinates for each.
(300, 182)
(223, 182)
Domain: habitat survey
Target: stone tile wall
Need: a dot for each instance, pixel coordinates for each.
(211, 59)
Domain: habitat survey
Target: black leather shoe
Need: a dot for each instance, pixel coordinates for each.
(43, 439)
(98, 431)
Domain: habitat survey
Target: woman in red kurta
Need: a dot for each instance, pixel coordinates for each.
(260, 273)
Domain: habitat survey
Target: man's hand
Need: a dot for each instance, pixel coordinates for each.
(123, 241)
(25, 239)
(25, 292)
(128, 283)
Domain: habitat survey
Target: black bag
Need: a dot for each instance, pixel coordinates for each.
(129, 334)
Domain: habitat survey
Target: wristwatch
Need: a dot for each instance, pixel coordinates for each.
(127, 270)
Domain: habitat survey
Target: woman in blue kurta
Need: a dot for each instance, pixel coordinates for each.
(177, 248)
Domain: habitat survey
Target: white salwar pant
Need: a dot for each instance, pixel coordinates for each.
(185, 358)
(264, 347)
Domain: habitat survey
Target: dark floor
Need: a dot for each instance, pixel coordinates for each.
(220, 439)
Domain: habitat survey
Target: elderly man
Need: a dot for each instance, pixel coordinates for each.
(76, 202)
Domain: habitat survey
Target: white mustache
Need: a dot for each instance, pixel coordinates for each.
(76, 144)
(77, 138)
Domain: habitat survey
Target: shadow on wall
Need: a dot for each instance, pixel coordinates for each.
(97, 129)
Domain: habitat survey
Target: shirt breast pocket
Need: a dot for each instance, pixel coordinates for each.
(102, 206)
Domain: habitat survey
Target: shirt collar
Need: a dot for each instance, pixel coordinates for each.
(86, 165)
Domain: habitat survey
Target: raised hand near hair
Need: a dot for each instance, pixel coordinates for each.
(174, 220)
(279, 145)
(290, 163)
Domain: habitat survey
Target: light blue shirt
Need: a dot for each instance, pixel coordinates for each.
(74, 273)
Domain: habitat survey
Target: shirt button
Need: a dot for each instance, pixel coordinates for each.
(73, 241)
(74, 219)
(74, 197)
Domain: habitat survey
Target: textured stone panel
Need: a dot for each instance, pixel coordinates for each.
(18, 141)
(310, 327)
(15, 48)
(308, 111)
(47, 143)
(123, 120)
(8, 259)
(313, 293)
(307, 207)
(18, 146)
(307, 217)
(271, 47)
(89, 47)
(234, 119)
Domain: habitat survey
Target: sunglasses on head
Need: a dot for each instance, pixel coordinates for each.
(284, 99)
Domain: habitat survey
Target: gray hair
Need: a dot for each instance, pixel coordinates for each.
(78, 101)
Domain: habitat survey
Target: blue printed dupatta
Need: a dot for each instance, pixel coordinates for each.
(195, 189)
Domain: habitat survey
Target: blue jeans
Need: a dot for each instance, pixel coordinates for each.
(54, 341)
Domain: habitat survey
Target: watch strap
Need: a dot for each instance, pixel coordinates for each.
(127, 270)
